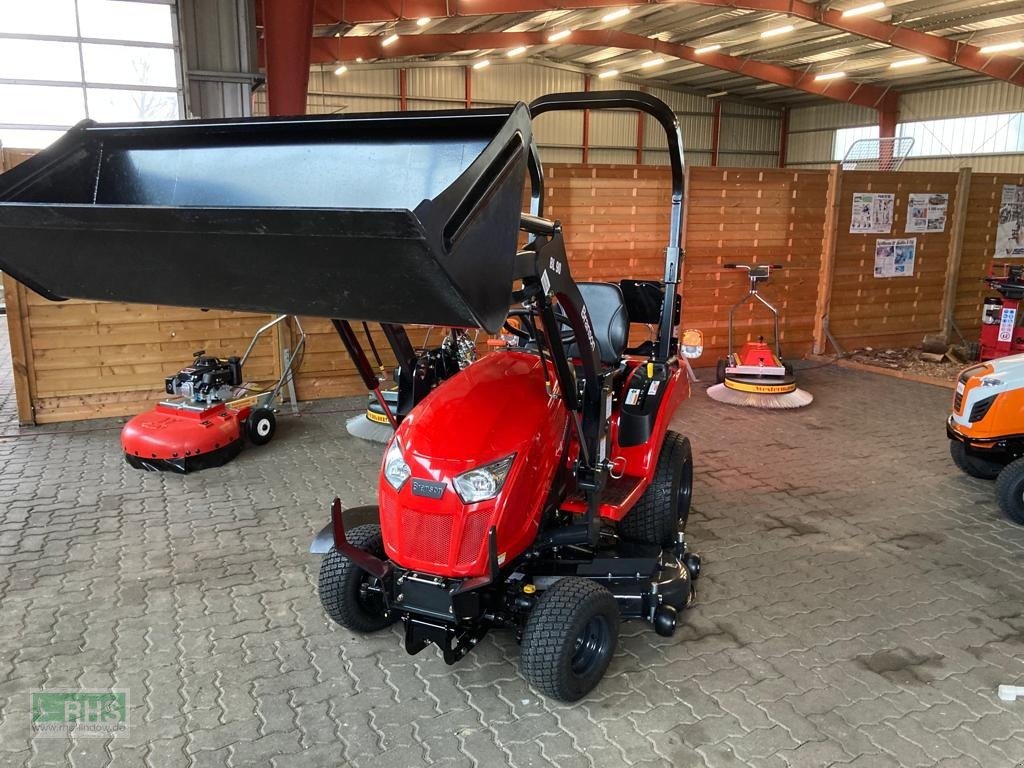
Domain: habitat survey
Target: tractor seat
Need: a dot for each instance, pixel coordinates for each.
(608, 315)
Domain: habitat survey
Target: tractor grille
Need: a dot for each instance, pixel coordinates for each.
(965, 376)
(474, 531)
(431, 538)
(980, 409)
(958, 401)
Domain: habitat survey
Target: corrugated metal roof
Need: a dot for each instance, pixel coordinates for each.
(808, 46)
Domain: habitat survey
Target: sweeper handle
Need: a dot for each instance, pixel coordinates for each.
(661, 112)
(750, 266)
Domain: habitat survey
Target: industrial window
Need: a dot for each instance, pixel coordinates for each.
(65, 60)
(846, 137)
(951, 137)
(980, 135)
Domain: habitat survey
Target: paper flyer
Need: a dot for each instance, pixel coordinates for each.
(1010, 233)
(872, 213)
(926, 212)
(895, 258)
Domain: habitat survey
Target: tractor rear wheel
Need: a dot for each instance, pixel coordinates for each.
(973, 465)
(260, 426)
(1010, 490)
(665, 506)
(347, 592)
(570, 638)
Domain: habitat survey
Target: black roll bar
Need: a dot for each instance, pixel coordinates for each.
(661, 112)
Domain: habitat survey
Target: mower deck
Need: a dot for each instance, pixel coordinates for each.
(182, 437)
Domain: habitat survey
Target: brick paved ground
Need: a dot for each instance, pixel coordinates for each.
(860, 605)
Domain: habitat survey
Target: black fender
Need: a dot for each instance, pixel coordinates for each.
(324, 541)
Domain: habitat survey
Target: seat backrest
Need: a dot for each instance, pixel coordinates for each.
(608, 316)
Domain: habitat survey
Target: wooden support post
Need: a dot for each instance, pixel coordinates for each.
(403, 90)
(828, 253)
(640, 133)
(467, 76)
(958, 220)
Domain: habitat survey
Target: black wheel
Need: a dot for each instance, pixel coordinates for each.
(346, 590)
(260, 426)
(973, 465)
(569, 638)
(1010, 490)
(720, 371)
(665, 506)
(788, 368)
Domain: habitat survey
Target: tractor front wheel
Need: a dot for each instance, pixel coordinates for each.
(349, 595)
(1010, 490)
(570, 638)
(973, 465)
(720, 371)
(260, 426)
(665, 506)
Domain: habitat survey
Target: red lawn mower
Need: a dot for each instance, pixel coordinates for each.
(538, 490)
(212, 411)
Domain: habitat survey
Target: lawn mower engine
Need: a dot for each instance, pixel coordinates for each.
(208, 380)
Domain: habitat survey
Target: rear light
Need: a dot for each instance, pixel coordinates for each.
(485, 482)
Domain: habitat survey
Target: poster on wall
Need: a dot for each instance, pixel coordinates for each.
(895, 258)
(1010, 233)
(927, 212)
(872, 213)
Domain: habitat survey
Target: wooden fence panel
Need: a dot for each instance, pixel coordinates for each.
(897, 310)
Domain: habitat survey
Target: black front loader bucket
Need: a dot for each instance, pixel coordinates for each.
(404, 218)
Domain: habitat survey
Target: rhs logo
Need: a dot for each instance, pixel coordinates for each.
(82, 713)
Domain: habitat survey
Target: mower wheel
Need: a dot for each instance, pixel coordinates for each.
(260, 426)
(973, 465)
(570, 638)
(720, 371)
(343, 585)
(1010, 490)
(665, 506)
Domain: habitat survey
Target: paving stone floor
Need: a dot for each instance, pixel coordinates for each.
(859, 605)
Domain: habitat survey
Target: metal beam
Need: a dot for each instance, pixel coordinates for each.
(327, 50)
(288, 25)
(957, 53)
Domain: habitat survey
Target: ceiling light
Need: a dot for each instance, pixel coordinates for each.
(482, 64)
(869, 8)
(1001, 47)
(616, 14)
(359, 59)
(830, 76)
(717, 94)
(777, 31)
(388, 40)
(517, 51)
(341, 70)
(337, 34)
(422, 21)
(554, 36)
(653, 62)
(608, 73)
(909, 62)
(707, 48)
(764, 86)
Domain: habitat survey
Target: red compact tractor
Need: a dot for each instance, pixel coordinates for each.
(539, 490)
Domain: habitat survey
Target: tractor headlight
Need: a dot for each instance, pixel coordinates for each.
(485, 482)
(396, 471)
(991, 381)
